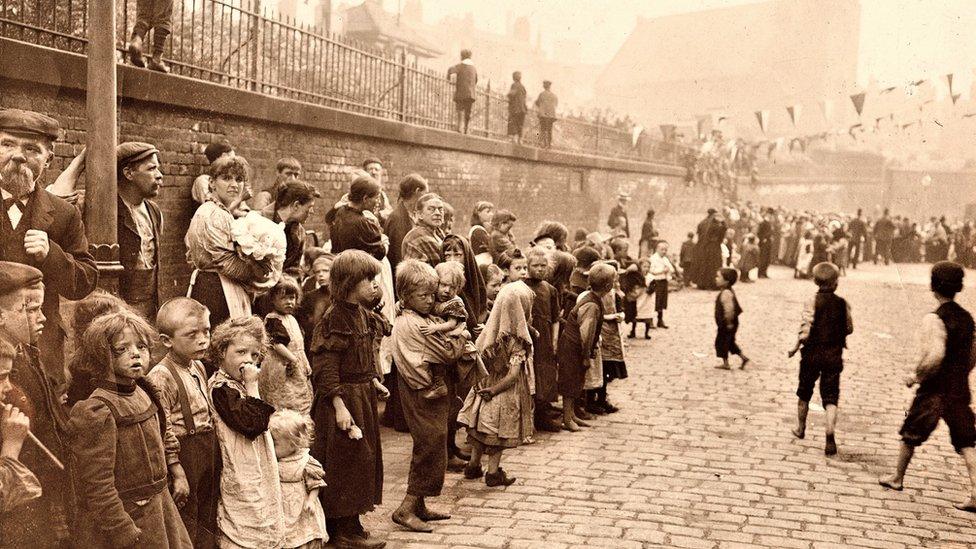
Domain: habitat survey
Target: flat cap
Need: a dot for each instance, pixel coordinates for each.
(35, 123)
(14, 276)
(133, 151)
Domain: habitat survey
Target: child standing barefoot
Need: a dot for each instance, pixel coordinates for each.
(579, 341)
(494, 410)
(661, 272)
(823, 335)
(727, 311)
(942, 375)
(249, 513)
(301, 480)
(346, 380)
(121, 444)
(284, 381)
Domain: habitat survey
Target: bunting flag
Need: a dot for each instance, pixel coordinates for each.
(763, 118)
(635, 135)
(918, 83)
(850, 131)
(858, 100)
(704, 123)
(955, 97)
(888, 90)
(825, 109)
(667, 131)
(794, 112)
(948, 78)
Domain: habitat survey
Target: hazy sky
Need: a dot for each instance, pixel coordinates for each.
(900, 39)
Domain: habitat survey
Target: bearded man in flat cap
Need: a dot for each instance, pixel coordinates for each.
(40, 229)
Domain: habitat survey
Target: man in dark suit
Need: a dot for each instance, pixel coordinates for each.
(140, 225)
(859, 232)
(40, 229)
(765, 234)
(465, 88)
(618, 221)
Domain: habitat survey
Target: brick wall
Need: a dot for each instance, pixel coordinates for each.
(182, 116)
(579, 196)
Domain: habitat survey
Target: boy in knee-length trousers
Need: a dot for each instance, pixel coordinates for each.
(823, 337)
(942, 376)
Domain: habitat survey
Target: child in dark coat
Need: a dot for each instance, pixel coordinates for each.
(823, 336)
(124, 454)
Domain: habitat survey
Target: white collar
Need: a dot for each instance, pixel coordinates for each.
(467, 62)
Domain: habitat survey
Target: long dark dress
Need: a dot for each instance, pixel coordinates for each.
(708, 254)
(351, 230)
(545, 312)
(343, 365)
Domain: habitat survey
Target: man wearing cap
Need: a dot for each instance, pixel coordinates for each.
(41, 522)
(618, 221)
(140, 224)
(40, 229)
(292, 207)
(546, 104)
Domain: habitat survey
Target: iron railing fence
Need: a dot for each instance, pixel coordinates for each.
(237, 43)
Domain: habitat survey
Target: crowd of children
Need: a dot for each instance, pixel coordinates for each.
(265, 432)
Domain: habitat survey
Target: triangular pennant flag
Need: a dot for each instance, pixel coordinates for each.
(635, 135)
(955, 97)
(794, 112)
(949, 81)
(826, 108)
(667, 131)
(858, 100)
(888, 90)
(763, 118)
(918, 82)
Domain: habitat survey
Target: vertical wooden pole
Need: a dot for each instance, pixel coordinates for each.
(101, 106)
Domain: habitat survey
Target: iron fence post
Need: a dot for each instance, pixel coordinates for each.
(402, 96)
(488, 110)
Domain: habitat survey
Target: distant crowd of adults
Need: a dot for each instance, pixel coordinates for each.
(749, 236)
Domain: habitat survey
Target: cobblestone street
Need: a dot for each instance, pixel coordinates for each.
(699, 457)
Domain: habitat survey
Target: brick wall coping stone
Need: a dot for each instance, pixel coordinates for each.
(61, 69)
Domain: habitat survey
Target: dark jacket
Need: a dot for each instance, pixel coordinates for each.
(69, 268)
(397, 226)
(465, 88)
(516, 99)
(138, 287)
(351, 230)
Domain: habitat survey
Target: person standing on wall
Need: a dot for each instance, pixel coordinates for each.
(516, 108)
(618, 222)
(546, 103)
(158, 16)
(465, 88)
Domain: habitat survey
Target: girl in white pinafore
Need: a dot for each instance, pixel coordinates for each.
(249, 512)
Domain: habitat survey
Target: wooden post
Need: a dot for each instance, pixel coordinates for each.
(101, 200)
(254, 43)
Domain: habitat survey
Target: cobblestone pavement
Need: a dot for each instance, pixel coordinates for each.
(699, 457)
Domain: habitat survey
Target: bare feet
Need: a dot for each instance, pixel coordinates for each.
(571, 426)
(744, 362)
(969, 506)
(723, 366)
(799, 432)
(891, 483)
